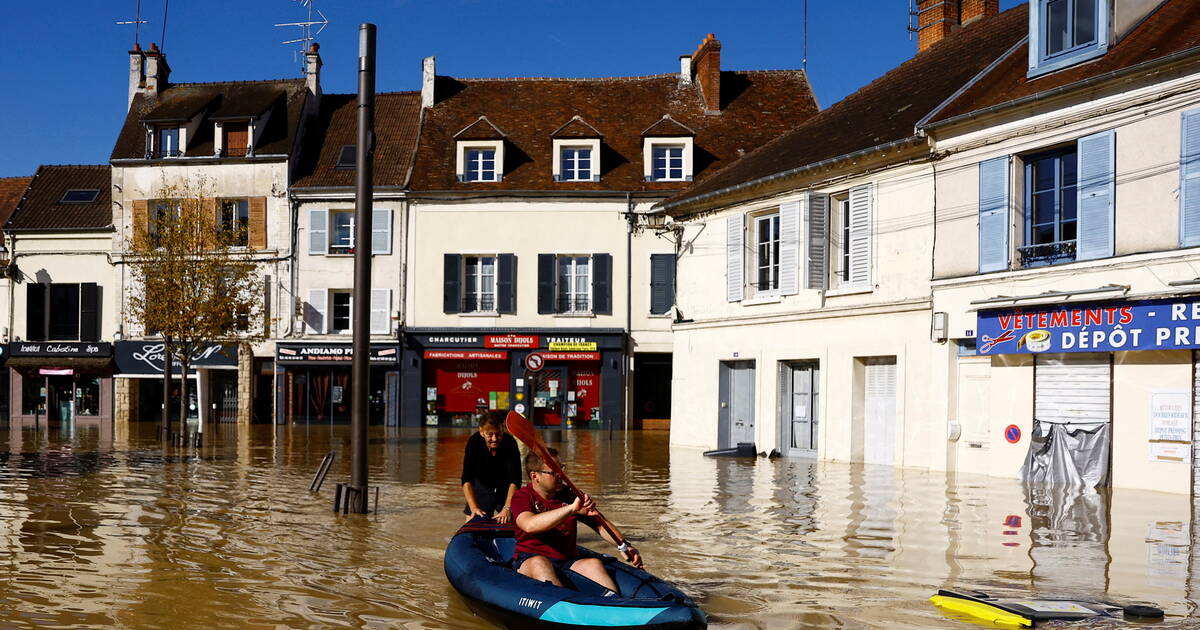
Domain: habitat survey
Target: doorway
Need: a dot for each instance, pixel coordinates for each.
(548, 387)
(879, 410)
(798, 415)
(735, 418)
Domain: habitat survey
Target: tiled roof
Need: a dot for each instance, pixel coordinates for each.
(576, 128)
(397, 123)
(884, 111)
(759, 105)
(42, 207)
(1171, 28)
(481, 129)
(11, 191)
(667, 127)
(235, 98)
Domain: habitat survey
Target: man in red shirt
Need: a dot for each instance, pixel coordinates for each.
(547, 518)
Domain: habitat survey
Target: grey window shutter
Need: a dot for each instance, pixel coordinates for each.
(35, 311)
(89, 312)
(735, 267)
(381, 304)
(545, 284)
(860, 236)
(314, 315)
(381, 231)
(318, 231)
(506, 284)
(818, 240)
(1189, 180)
(993, 214)
(789, 248)
(602, 284)
(451, 283)
(1096, 190)
(662, 283)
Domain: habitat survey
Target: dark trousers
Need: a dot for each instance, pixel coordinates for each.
(488, 499)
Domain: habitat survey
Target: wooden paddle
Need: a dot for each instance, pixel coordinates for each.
(523, 430)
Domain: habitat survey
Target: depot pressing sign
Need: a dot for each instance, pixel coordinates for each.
(1144, 325)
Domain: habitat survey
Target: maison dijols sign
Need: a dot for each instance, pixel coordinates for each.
(58, 349)
(146, 357)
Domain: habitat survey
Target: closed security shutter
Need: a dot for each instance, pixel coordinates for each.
(318, 231)
(314, 314)
(35, 312)
(1072, 388)
(789, 248)
(89, 312)
(879, 411)
(381, 231)
(993, 215)
(141, 218)
(381, 305)
(602, 284)
(1195, 421)
(258, 222)
(545, 284)
(1097, 165)
(451, 283)
(734, 266)
(818, 241)
(662, 283)
(860, 236)
(1189, 180)
(506, 284)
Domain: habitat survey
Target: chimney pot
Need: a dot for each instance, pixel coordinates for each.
(153, 47)
(312, 69)
(685, 69)
(936, 19)
(975, 9)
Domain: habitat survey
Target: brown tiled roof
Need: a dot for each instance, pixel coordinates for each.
(233, 98)
(884, 111)
(397, 123)
(576, 128)
(667, 127)
(481, 129)
(758, 106)
(1171, 28)
(42, 207)
(11, 191)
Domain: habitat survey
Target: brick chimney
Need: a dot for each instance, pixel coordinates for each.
(137, 73)
(974, 9)
(706, 68)
(312, 69)
(935, 20)
(157, 71)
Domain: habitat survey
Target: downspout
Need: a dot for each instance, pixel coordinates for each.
(12, 289)
(294, 266)
(628, 307)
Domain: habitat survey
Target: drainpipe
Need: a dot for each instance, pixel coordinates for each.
(628, 308)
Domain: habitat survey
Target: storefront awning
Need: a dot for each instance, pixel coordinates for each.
(81, 363)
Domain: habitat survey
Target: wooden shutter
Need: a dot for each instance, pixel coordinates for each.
(818, 241)
(210, 221)
(602, 284)
(451, 283)
(35, 312)
(860, 236)
(1189, 179)
(141, 222)
(381, 305)
(506, 284)
(381, 231)
(789, 248)
(258, 223)
(735, 267)
(314, 316)
(1097, 166)
(662, 283)
(318, 231)
(237, 138)
(546, 284)
(993, 214)
(89, 312)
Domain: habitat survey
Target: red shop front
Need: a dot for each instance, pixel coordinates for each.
(566, 390)
(458, 384)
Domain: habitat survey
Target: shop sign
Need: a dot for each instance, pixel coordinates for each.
(333, 353)
(479, 355)
(510, 341)
(452, 340)
(573, 346)
(146, 357)
(571, 356)
(1144, 325)
(58, 349)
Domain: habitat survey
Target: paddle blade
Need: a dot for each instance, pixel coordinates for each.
(522, 429)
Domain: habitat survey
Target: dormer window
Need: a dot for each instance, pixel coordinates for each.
(576, 146)
(235, 139)
(576, 164)
(1066, 32)
(167, 140)
(667, 151)
(668, 162)
(480, 165)
(480, 152)
(347, 157)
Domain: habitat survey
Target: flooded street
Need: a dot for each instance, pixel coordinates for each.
(122, 533)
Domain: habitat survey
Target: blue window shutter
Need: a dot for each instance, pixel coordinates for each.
(381, 305)
(506, 284)
(860, 236)
(381, 231)
(993, 214)
(662, 283)
(817, 216)
(602, 284)
(314, 315)
(1189, 180)
(318, 231)
(546, 284)
(1097, 168)
(451, 283)
(789, 248)
(735, 268)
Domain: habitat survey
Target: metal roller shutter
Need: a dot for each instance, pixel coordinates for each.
(1073, 388)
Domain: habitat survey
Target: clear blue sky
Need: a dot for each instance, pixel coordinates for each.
(66, 61)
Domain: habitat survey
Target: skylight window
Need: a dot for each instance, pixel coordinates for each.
(78, 195)
(348, 157)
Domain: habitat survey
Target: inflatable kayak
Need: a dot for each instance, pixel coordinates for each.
(478, 565)
(1018, 612)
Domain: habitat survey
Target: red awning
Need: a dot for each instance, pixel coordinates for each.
(468, 355)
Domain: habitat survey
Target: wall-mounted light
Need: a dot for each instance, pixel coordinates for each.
(938, 329)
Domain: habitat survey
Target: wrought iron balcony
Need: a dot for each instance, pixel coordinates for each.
(1047, 253)
(479, 304)
(578, 304)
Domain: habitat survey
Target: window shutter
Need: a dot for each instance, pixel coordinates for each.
(141, 222)
(35, 312)
(1189, 180)
(210, 220)
(318, 231)
(860, 236)
(818, 241)
(314, 315)
(506, 284)
(451, 283)
(258, 223)
(89, 311)
(993, 214)
(734, 266)
(1097, 164)
(602, 284)
(662, 283)
(789, 248)
(381, 304)
(381, 231)
(545, 284)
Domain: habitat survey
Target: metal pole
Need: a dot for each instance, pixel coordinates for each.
(360, 377)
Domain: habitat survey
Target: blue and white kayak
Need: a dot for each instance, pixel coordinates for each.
(478, 564)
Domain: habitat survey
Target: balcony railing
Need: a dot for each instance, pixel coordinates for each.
(1047, 253)
(479, 304)
(578, 304)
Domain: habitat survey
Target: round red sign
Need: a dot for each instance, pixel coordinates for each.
(1012, 433)
(534, 362)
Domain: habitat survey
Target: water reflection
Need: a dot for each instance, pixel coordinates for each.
(106, 530)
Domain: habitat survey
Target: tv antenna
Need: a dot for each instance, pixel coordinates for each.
(137, 23)
(306, 30)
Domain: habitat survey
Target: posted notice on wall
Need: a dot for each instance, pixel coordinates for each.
(1170, 425)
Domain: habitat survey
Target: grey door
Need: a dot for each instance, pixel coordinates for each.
(798, 408)
(736, 417)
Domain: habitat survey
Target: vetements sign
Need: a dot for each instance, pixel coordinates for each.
(1107, 327)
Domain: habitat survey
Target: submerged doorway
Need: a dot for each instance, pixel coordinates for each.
(798, 417)
(735, 418)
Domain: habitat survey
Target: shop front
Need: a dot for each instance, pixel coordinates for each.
(212, 388)
(60, 383)
(567, 379)
(313, 383)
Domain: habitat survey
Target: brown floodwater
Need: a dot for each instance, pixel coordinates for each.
(121, 532)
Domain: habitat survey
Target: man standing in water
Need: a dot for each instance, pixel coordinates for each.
(547, 519)
(491, 470)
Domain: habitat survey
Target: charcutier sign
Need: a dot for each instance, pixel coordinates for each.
(558, 342)
(146, 357)
(388, 354)
(1144, 325)
(59, 349)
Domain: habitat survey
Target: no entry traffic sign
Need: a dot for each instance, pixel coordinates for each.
(1012, 433)
(534, 362)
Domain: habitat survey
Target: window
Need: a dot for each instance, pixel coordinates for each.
(481, 165)
(479, 284)
(235, 139)
(668, 162)
(80, 196)
(340, 310)
(334, 231)
(62, 312)
(163, 213)
(341, 237)
(843, 240)
(766, 244)
(1050, 207)
(576, 164)
(233, 216)
(574, 284)
(347, 157)
(168, 142)
(1065, 32)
